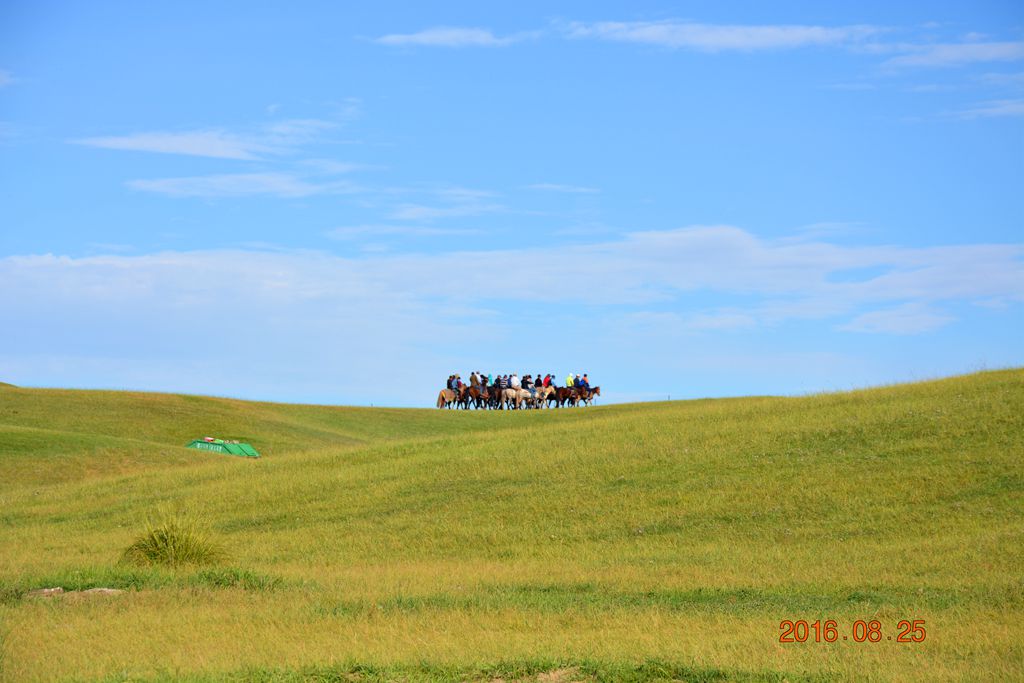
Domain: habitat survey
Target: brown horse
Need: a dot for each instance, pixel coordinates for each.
(587, 396)
(565, 395)
(478, 396)
(462, 398)
(446, 398)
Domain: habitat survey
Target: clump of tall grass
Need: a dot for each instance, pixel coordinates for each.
(173, 541)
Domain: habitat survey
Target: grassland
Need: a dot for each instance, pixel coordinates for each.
(662, 541)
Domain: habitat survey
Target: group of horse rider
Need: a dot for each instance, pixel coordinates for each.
(528, 382)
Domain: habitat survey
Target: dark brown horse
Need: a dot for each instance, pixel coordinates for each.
(479, 396)
(587, 395)
(565, 395)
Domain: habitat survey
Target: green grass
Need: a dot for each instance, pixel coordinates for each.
(174, 541)
(637, 542)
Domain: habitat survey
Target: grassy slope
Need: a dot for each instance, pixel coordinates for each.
(607, 537)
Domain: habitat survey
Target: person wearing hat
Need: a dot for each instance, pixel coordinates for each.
(569, 382)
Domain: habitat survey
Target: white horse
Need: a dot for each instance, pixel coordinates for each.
(517, 397)
(542, 396)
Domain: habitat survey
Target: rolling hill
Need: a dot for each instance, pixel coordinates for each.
(660, 541)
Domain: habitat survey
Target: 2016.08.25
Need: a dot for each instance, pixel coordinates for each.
(800, 631)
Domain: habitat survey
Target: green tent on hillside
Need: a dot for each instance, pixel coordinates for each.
(221, 446)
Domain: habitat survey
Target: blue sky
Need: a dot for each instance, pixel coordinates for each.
(345, 204)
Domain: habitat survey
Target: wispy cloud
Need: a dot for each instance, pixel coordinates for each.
(216, 144)
(453, 202)
(6, 78)
(409, 309)
(420, 212)
(451, 36)
(993, 108)
(904, 291)
(997, 79)
(958, 54)
(332, 166)
(555, 187)
(275, 138)
(720, 37)
(910, 318)
(358, 232)
(241, 185)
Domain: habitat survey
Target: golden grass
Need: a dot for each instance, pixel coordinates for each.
(679, 532)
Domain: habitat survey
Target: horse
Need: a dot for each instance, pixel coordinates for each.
(587, 396)
(531, 400)
(446, 398)
(462, 398)
(516, 398)
(543, 396)
(566, 395)
(479, 396)
(509, 398)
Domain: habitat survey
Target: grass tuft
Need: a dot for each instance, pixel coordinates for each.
(173, 542)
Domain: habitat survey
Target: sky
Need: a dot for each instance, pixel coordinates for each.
(345, 203)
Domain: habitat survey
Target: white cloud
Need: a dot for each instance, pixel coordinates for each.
(555, 187)
(994, 108)
(316, 326)
(6, 78)
(721, 320)
(332, 167)
(959, 54)
(216, 144)
(420, 212)
(455, 202)
(997, 79)
(354, 232)
(450, 36)
(276, 138)
(719, 37)
(792, 279)
(291, 132)
(241, 185)
(910, 318)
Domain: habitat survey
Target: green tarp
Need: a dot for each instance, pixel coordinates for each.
(222, 446)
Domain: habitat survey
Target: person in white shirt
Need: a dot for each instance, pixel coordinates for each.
(514, 382)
